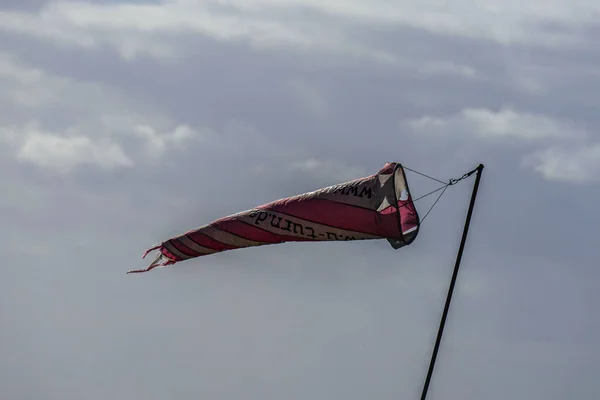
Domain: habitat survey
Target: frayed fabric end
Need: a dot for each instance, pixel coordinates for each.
(159, 261)
(150, 250)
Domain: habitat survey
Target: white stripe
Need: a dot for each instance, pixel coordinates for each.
(176, 252)
(187, 242)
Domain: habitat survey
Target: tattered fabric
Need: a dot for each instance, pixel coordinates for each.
(379, 206)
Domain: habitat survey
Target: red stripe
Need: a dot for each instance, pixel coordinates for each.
(408, 214)
(388, 168)
(257, 234)
(172, 257)
(206, 241)
(183, 248)
(342, 216)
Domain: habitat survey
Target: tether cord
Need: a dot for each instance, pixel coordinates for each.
(451, 182)
(430, 193)
(422, 174)
(434, 203)
(443, 188)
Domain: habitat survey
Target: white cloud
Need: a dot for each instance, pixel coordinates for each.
(93, 130)
(112, 129)
(573, 164)
(505, 123)
(151, 28)
(63, 153)
(565, 155)
(157, 144)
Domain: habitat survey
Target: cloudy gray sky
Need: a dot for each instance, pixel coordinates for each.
(125, 123)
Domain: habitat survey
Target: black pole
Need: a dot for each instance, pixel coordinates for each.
(452, 282)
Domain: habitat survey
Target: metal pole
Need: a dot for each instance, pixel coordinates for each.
(452, 282)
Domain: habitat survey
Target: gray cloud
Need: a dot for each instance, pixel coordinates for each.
(222, 106)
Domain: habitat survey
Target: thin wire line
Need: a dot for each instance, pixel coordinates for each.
(425, 175)
(428, 194)
(434, 203)
(443, 188)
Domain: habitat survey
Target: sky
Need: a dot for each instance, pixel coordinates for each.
(123, 124)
